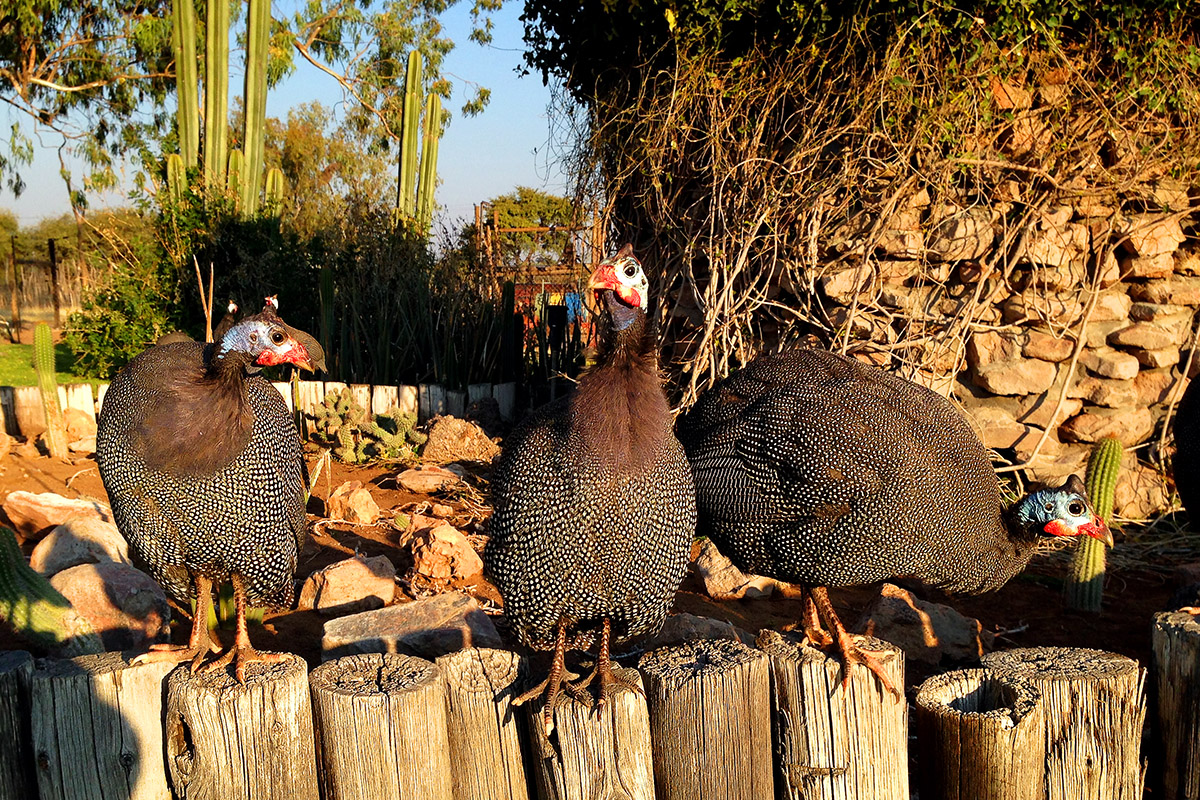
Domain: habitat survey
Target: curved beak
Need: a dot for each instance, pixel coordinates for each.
(605, 278)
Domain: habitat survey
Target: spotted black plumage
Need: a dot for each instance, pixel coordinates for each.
(1185, 465)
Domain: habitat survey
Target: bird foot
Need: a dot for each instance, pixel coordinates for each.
(853, 653)
(241, 655)
(817, 638)
(609, 681)
(175, 653)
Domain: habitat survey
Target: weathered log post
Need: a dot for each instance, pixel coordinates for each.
(16, 757)
(1094, 704)
(981, 737)
(484, 732)
(227, 741)
(381, 728)
(605, 755)
(710, 719)
(97, 728)
(834, 741)
(1177, 677)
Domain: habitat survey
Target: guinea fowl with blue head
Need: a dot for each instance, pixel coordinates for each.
(203, 468)
(817, 469)
(594, 509)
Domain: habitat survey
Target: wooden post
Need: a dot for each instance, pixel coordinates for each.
(506, 399)
(485, 737)
(478, 391)
(29, 410)
(285, 391)
(54, 283)
(710, 719)
(981, 737)
(406, 399)
(383, 399)
(1177, 676)
(831, 741)
(96, 725)
(361, 393)
(381, 728)
(79, 397)
(8, 402)
(14, 286)
(431, 401)
(16, 757)
(226, 741)
(456, 403)
(1094, 704)
(595, 755)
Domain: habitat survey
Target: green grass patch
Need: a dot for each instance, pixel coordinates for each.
(16, 366)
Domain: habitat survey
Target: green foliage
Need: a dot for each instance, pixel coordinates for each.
(529, 208)
(1085, 588)
(43, 365)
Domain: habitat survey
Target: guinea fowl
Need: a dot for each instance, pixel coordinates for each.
(817, 469)
(1186, 461)
(594, 509)
(226, 322)
(202, 464)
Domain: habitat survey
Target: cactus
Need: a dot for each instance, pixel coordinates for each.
(1084, 590)
(258, 32)
(176, 178)
(43, 362)
(235, 176)
(35, 610)
(187, 115)
(337, 425)
(429, 153)
(216, 96)
(417, 180)
(390, 435)
(273, 200)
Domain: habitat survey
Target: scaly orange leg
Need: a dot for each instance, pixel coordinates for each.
(603, 673)
(851, 653)
(242, 652)
(199, 644)
(552, 686)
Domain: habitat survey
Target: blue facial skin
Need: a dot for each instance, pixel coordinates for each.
(237, 338)
(1047, 505)
(622, 315)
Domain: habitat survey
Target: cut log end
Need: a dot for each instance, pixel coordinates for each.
(1000, 702)
(1061, 663)
(374, 673)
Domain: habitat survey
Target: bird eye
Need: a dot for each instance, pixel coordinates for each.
(630, 271)
(277, 337)
(1075, 509)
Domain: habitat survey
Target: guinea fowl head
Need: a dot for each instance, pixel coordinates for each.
(231, 308)
(264, 340)
(621, 287)
(1059, 511)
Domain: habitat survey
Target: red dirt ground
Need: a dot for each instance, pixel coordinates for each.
(1026, 612)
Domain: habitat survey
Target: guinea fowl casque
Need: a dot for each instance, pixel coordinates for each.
(594, 509)
(817, 469)
(202, 464)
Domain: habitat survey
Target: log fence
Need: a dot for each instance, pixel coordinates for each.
(715, 719)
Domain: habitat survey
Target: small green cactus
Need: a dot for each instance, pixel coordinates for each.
(35, 610)
(391, 435)
(1084, 590)
(338, 421)
(43, 362)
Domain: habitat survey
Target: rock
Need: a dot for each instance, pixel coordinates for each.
(1129, 425)
(124, 605)
(683, 628)
(1072, 459)
(1039, 305)
(1009, 96)
(1187, 262)
(6, 445)
(1155, 359)
(83, 447)
(1109, 393)
(963, 236)
(79, 540)
(441, 510)
(1060, 248)
(352, 502)
(349, 586)
(1165, 313)
(990, 347)
(1151, 235)
(1149, 336)
(902, 236)
(453, 439)
(843, 285)
(1159, 266)
(1153, 386)
(33, 513)
(1109, 363)
(1174, 291)
(79, 424)
(1052, 448)
(724, 581)
(27, 449)
(443, 553)
(1111, 305)
(996, 428)
(928, 633)
(1016, 377)
(427, 628)
(1028, 134)
(1098, 332)
(1047, 347)
(427, 479)
(1036, 409)
(1170, 195)
(1141, 492)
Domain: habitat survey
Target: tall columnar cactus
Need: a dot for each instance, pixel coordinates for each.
(236, 175)
(427, 183)
(35, 610)
(176, 177)
(183, 42)
(43, 363)
(417, 180)
(1085, 588)
(273, 191)
(216, 96)
(258, 32)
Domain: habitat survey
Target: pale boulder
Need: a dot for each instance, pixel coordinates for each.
(125, 606)
(79, 540)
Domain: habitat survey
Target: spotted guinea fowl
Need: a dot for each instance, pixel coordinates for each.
(815, 468)
(1186, 461)
(202, 464)
(226, 322)
(594, 509)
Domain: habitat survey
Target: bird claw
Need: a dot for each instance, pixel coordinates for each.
(241, 656)
(856, 654)
(174, 653)
(610, 682)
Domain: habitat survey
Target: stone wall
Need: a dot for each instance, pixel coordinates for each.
(933, 296)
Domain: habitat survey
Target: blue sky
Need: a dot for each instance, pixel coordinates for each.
(506, 146)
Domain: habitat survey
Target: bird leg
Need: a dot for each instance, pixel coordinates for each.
(552, 686)
(816, 635)
(851, 653)
(200, 642)
(242, 652)
(603, 671)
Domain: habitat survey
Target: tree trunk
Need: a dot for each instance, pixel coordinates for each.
(605, 756)
(981, 737)
(16, 757)
(381, 727)
(1177, 675)
(227, 741)
(97, 728)
(710, 721)
(834, 741)
(1094, 704)
(484, 735)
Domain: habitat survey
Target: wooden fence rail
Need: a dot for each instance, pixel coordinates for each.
(718, 719)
